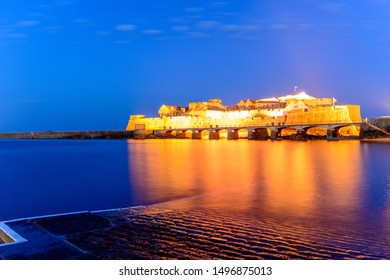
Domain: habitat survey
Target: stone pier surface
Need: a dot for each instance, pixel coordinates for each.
(157, 233)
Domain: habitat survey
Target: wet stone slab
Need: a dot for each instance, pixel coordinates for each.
(154, 233)
(84, 222)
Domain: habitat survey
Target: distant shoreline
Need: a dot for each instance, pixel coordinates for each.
(104, 134)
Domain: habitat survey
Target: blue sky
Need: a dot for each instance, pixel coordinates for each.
(89, 64)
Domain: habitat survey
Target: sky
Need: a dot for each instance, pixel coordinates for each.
(89, 64)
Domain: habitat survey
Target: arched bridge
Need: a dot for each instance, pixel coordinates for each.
(253, 132)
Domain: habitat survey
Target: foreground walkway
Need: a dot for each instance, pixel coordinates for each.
(155, 233)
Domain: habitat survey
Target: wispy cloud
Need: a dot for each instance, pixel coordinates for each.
(65, 2)
(374, 24)
(125, 27)
(279, 26)
(230, 27)
(385, 40)
(227, 27)
(198, 35)
(290, 25)
(152, 31)
(58, 3)
(55, 4)
(103, 33)
(4, 30)
(81, 21)
(27, 23)
(194, 9)
(30, 101)
(207, 24)
(36, 14)
(239, 28)
(334, 7)
(17, 35)
(181, 28)
(218, 4)
(121, 42)
(53, 28)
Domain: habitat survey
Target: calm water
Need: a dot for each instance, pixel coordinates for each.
(342, 185)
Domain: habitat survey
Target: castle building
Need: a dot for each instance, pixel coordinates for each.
(298, 109)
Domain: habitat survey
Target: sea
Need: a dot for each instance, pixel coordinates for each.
(336, 185)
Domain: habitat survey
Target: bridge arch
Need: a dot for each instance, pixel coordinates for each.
(286, 132)
(345, 131)
(243, 133)
(188, 134)
(200, 134)
(170, 133)
(223, 133)
(204, 134)
(315, 131)
(261, 133)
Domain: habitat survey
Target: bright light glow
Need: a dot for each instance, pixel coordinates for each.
(294, 109)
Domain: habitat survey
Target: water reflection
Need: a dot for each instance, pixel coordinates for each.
(169, 170)
(279, 178)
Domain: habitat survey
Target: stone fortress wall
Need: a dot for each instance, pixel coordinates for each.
(295, 109)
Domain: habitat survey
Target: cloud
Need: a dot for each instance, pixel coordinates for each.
(181, 28)
(207, 24)
(152, 31)
(198, 35)
(55, 4)
(334, 7)
(239, 28)
(27, 23)
(65, 2)
(102, 33)
(279, 26)
(53, 28)
(36, 14)
(81, 21)
(121, 42)
(219, 4)
(230, 28)
(125, 27)
(30, 101)
(194, 10)
(291, 26)
(4, 31)
(17, 35)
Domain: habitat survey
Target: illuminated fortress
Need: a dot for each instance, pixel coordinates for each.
(296, 114)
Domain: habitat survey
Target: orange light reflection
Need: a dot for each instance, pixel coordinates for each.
(284, 178)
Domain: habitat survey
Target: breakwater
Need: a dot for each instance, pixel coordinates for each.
(105, 134)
